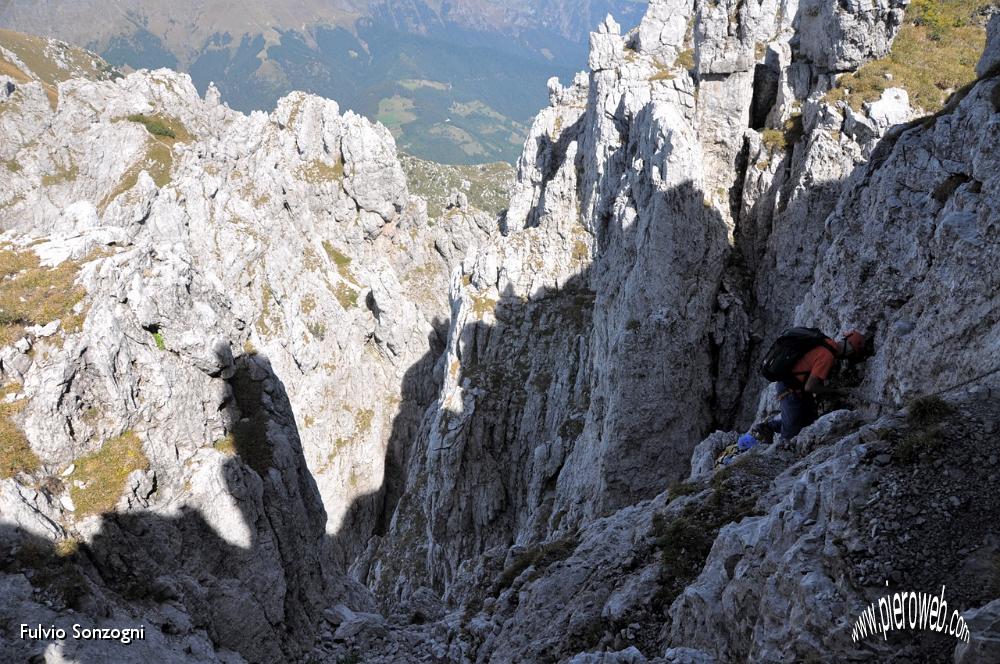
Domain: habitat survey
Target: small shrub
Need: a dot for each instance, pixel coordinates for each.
(685, 542)
(103, 474)
(154, 125)
(787, 136)
(158, 338)
(685, 539)
(925, 411)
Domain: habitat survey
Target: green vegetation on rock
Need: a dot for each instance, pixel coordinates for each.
(158, 158)
(31, 294)
(782, 139)
(155, 126)
(488, 184)
(16, 454)
(934, 55)
(162, 126)
(99, 479)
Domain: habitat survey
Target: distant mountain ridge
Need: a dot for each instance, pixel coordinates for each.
(456, 81)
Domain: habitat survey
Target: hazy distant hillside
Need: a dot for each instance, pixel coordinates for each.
(455, 81)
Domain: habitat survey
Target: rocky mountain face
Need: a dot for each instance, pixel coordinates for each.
(256, 399)
(174, 273)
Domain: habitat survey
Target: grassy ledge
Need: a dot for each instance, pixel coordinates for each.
(934, 54)
(16, 455)
(31, 294)
(100, 477)
(158, 159)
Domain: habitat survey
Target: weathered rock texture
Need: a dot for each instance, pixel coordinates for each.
(260, 312)
(500, 469)
(676, 207)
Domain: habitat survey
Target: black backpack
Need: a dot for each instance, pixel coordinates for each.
(787, 350)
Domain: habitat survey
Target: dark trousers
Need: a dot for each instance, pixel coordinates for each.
(798, 410)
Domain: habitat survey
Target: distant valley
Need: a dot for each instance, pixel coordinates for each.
(455, 82)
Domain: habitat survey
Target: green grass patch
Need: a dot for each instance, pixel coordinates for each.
(346, 296)
(934, 54)
(396, 111)
(341, 260)
(157, 126)
(318, 171)
(317, 329)
(685, 59)
(16, 455)
(158, 158)
(158, 338)
(102, 475)
(784, 138)
(63, 175)
(31, 294)
(226, 445)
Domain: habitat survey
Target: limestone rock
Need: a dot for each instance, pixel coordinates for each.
(991, 55)
(844, 36)
(984, 628)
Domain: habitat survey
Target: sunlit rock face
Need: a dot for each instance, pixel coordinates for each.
(472, 439)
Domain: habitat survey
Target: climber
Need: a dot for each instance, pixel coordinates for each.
(800, 362)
